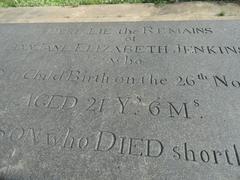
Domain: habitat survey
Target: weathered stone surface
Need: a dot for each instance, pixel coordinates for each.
(146, 100)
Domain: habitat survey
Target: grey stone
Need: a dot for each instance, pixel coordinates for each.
(142, 100)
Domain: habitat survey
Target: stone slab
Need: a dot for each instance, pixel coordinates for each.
(143, 100)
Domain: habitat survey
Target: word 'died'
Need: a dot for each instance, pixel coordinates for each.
(106, 141)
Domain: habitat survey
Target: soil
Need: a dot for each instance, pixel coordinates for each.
(123, 12)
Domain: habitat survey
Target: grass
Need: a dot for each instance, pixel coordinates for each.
(22, 3)
(31, 3)
(222, 13)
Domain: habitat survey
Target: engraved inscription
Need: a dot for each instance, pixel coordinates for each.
(125, 104)
(142, 100)
(110, 142)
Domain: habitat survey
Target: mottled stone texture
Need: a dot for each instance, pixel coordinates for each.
(137, 101)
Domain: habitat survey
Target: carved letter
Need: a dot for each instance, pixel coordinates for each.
(73, 101)
(123, 104)
(160, 147)
(110, 145)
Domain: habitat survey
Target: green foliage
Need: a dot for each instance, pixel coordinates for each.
(7, 3)
(155, 1)
(222, 13)
(21, 3)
